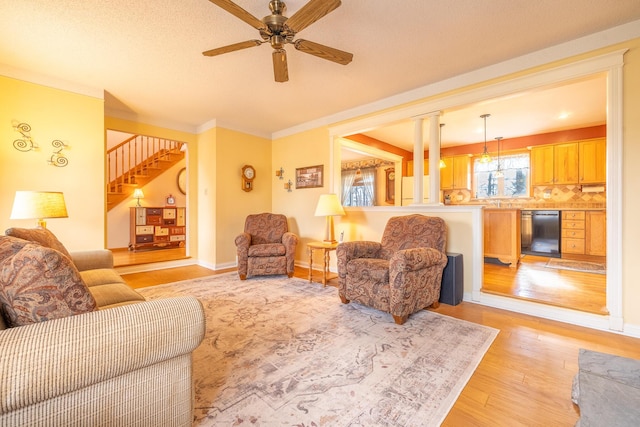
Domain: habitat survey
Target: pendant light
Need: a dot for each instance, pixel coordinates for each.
(442, 163)
(499, 173)
(485, 158)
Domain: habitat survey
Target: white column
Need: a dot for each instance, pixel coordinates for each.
(434, 158)
(418, 160)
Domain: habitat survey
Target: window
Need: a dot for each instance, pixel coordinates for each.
(358, 187)
(514, 181)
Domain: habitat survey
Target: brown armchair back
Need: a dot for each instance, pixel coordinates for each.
(413, 231)
(266, 247)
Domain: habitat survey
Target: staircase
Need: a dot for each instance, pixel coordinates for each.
(135, 162)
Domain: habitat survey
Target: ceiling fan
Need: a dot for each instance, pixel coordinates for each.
(279, 30)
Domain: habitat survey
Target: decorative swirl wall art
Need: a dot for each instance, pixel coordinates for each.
(57, 158)
(26, 143)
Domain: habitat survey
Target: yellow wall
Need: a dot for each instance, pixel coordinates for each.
(205, 194)
(233, 151)
(77, 120)
(309, 148)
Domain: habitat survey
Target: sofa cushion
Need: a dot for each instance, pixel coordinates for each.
(39, 283)
(10, 246)
(114, 293)
(39, 235)
(100, 276)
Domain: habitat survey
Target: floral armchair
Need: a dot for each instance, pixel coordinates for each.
(400, 275)
(266, 247)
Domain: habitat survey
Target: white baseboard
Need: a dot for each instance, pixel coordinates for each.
(140, 268)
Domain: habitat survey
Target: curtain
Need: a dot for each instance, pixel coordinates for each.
(369, 181)
(347, 182)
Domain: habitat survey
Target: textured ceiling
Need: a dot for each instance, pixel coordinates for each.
(147, 55)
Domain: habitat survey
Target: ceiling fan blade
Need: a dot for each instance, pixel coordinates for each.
(310, 13)
(232, 47)
(324, 52)
(280, 71)
(240, 13)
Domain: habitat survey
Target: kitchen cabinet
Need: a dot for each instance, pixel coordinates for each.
(455, 175)
(502, 235)
(596, 233)
(580, 162)
(410, 167)
(565, 163)
(573, 232)
(584, 234)
(592, 161)
(554, 164)
(542, 165)
(163, 227)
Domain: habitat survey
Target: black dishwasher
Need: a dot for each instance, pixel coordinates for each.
(540, 233)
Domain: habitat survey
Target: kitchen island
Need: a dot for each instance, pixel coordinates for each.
(502, 235)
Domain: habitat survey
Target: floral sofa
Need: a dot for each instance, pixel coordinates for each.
(80, 347)
(401, 274)
(266, 246)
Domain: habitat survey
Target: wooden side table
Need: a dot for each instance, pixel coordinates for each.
(325, 247)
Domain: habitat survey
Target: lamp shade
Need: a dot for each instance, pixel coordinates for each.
(38, 205)
(138, 194)
(329, 204)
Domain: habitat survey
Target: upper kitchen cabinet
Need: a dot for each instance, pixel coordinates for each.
(410, 167)
(554, 164)
(593, 161)
(580, 162)
(565, 163)
(542, 165)
(455, 174)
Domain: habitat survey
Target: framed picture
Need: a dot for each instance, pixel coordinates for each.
(309, 177)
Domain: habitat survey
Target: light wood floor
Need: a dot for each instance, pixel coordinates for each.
(524, 378)
(533, 281)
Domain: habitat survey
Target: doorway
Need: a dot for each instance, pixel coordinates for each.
(157, 167)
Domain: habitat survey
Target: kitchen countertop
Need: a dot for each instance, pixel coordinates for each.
(526, 208)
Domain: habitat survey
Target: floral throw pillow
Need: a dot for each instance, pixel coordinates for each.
(38, 235)
(38, 284)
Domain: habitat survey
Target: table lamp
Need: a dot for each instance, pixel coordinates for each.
(39, 205)
(138, 194)
(329, 206)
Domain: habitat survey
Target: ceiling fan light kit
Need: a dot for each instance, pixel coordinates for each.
(278, 30)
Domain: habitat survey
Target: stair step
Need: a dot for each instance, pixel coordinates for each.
(141, 174)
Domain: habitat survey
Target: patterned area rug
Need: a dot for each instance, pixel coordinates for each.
(286, 352)
(583, 266)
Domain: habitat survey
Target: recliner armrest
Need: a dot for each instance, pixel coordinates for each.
(290, 240)
(243, 241)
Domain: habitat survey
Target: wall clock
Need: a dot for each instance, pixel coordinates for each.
(248, 175)
(182, 181)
